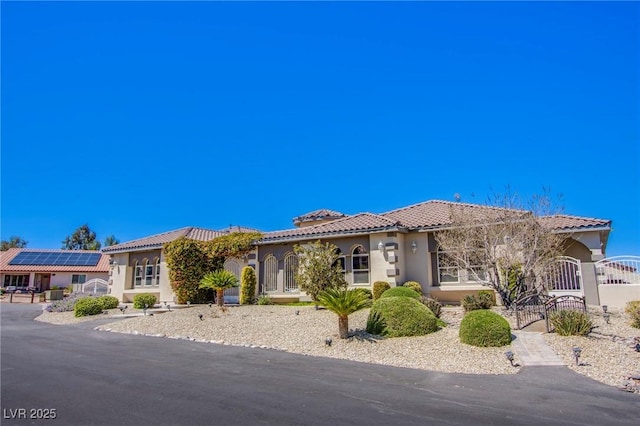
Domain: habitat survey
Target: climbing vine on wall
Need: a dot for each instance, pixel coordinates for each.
(190, 260)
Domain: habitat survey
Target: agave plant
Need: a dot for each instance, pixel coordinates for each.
(343, 303)
(219, 281)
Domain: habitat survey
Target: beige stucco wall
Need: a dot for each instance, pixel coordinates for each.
(618, 295)
(417, 265)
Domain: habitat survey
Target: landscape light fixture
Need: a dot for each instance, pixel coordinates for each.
(606, 316)
(201, 317)
(123, 308)
(189, 303)
(328, 341)
(169, 308)
(414, 247)
(605, 308)
(381, 246)
(297, 312)
(576, 353)
(510, 357)
(637, 347)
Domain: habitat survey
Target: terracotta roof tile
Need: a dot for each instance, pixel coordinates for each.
(566, 222)
(433, 214)
(321, 214)
(157, 241)
(359, 223)
(7, 256)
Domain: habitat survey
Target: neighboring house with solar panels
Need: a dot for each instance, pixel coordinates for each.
(399, 246)
(42, 269)
(139, 266)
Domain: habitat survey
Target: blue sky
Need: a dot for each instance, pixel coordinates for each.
(139, 118)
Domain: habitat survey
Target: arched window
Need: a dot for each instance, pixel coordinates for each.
(290, 269)
(157, 273)
(360, 265)
(137, 274)
(148, 273)
(270, 273)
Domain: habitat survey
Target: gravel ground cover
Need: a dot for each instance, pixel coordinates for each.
(607, 354)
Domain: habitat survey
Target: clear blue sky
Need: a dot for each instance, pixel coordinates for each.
(139, 118)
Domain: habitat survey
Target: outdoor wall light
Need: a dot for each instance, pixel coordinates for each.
(510, 356)
(605, 308)
(381, 246)
(576, 353)
(328, 341)
(414, 247)
(606, 316)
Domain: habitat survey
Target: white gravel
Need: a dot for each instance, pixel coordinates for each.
(605, 358)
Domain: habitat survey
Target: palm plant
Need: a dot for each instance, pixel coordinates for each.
(343, 303)
(219, 281)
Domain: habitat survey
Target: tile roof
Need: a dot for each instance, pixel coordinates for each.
(7, 256)
(562, 222)
(318, 215)
(359, 223)
(157, 241)
(434, 213)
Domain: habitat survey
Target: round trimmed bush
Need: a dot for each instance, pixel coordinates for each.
(109, 302)
(380, 287)
(400, 292)
(144, 299)
(400, 316)
(414, 285)
(485, 328)
(87, 306)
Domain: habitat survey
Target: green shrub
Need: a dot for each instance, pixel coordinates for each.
(400, 316)
(140, 301)
(379, 287)
(486, 296)
(433, 305)
(414, 285)
(87, 306)
(400, 292)
(571, 323)
(264, 299)
(367, 292)
(247, 285)
(109, 302)
(484, 328)
(481, 301)
(633, 309)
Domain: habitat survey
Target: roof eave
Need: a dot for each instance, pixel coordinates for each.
(331, 235)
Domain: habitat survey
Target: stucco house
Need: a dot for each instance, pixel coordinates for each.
(139, 266)
(43, 269)
(394, 246)
(399, 246)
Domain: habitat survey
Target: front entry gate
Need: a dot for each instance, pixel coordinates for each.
(565, 278)
(536, 307)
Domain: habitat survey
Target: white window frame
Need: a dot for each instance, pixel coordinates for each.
(137, 274)
(18, 280)
(359, 271)
(148, 273)
(156, 277)
(462, 276)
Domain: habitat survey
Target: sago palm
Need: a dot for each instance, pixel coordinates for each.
(219, 281)
(343, 303)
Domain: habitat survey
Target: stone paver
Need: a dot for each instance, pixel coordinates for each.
(533, 350)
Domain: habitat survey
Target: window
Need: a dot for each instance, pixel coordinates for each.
(148, 273)
(448, 271)
(157, 276)
(270, 273)
(137, 274)
(290, 269)
(360, 265)
(78, 279)
(16, 280)
(341, 261)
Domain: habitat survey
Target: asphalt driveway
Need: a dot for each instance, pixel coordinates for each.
(92, 377)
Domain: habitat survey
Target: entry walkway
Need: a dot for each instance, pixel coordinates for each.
(533, 350)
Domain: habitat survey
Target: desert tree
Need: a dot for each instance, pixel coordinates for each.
(82, 238)
(14, 241)
(318, 268)
(111, 240)
(506, 244)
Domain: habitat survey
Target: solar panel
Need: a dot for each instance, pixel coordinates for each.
(48, 258)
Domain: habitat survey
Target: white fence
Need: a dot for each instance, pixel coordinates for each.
(95, 286)
(618, 280)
